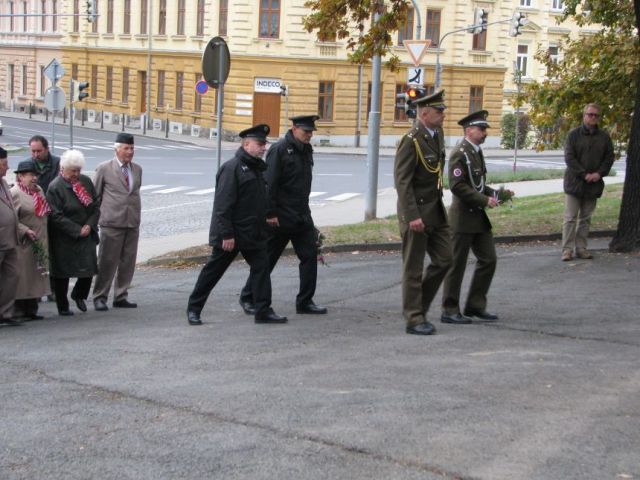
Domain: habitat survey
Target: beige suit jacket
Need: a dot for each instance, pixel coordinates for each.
(8, 220)
(119, 207)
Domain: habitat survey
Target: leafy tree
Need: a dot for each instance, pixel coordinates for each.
(603, 68)
(351, 20)
(508, 127)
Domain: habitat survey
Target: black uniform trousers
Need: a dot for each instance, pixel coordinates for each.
(306, 248)
(80, 291)
(483, 247)
(216, 266)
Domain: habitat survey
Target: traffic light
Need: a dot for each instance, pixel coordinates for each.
(480, 20)
(407, 100)
(92, 11)
(77, 91)
(518, 20)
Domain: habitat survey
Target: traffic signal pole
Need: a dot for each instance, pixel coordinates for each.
(71, 115)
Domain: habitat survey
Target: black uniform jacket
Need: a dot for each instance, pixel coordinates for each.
(585, 152)
(466, 169)
(419, 192)
(240, 203)
(289, 175)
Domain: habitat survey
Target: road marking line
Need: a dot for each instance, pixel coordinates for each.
(182, 173)
(175, 206)
(173, 190)
(150, 187)
(201, 192)
(316, 194)
(333, 174)
(342, 197)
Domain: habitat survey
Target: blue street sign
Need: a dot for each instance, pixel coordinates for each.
(202, 87)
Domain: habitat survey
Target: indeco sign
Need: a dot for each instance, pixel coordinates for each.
(267, 85)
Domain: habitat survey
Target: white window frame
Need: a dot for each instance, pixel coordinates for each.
(557, 5)
(525, 3)
(522, 60)
(554, 58)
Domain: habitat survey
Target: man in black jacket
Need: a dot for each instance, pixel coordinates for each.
(48, 165)
(588, 153)
(289, 175)
(238, 225)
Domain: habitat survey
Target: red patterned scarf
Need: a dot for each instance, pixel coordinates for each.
(39, 202)
(80, 191)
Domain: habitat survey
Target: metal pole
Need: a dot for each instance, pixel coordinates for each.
(518, 77)
(71, 112)
(417, 16)
(53, 116)
(147, 118)
(373, 137)
(359, 119)
(219, 110)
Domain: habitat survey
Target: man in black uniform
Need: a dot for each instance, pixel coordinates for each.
(470, 224)
(289, 165)
(238, 225)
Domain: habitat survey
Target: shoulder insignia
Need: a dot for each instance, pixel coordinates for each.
(410, 134)
(289, 150)
(462, 149)
(457, 172)
(244, 168)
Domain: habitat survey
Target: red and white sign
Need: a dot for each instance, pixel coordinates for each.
(416, 49)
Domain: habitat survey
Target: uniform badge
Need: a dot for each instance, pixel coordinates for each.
(457, 172)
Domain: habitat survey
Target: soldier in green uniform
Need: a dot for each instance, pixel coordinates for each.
(418, 174)
(470, 224)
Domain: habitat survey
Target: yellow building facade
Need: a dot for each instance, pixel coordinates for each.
(144, 56)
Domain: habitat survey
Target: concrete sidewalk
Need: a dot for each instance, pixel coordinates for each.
(548, 392)
(347, 212)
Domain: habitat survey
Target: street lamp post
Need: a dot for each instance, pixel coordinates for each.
(517, 76)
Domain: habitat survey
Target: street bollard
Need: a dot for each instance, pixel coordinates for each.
(30, 110)
(123, 117)
(46, 114)
(64, 115)
(82, 113)
(166, 130)
(102, 119)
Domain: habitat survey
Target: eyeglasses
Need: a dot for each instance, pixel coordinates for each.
(595, 115)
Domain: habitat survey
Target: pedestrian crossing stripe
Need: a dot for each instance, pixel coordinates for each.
(201, 192)
(207, 191)
(172, 190)
(150, 187)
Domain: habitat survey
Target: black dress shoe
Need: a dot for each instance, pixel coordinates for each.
(486, 316)
(311, 308)
(65, 313)
(193, 318)
(14, 322)
(80, 303)
(100, 305)
(35, 316)
(248, 307)
(455, 318)
(425, 328)
(124, 304)
(269, 316)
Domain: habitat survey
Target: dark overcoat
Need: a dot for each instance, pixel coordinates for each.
(71, 255)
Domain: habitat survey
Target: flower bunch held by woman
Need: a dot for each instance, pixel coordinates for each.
(33, 210)
(73, 231)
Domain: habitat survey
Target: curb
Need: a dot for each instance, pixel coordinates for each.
(373, 247)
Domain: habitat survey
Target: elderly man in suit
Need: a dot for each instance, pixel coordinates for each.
(117, 184)
(418, 175)
(8, 244)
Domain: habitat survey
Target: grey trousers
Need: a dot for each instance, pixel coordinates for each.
(116, 258)
(8, 281)
(577, 220)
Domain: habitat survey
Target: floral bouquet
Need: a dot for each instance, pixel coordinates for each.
(319, 243)
(505, 196)
(42, 257)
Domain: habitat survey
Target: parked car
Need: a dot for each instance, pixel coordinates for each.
(0, 127)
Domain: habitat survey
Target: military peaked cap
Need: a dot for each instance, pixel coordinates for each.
(3, 153)
(475, 119)
(306, 122)
(124, 138)
(435, 100)
(259, 132)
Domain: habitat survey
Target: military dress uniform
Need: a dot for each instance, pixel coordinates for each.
(418, 175)
(471, 227)
(239, 213)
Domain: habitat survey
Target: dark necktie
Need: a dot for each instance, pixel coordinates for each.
(125, 172)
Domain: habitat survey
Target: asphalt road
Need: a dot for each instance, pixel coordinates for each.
(549, 392)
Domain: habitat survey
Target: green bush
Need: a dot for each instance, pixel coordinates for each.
(508, 126)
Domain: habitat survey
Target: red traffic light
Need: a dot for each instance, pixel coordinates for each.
(412, 93)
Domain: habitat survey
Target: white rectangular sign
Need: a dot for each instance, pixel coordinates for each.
(267, 85)
(415, 75)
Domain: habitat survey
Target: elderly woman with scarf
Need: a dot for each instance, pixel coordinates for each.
(33, 260)
(73, 231)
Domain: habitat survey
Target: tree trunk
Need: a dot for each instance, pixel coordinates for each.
(627, 236)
